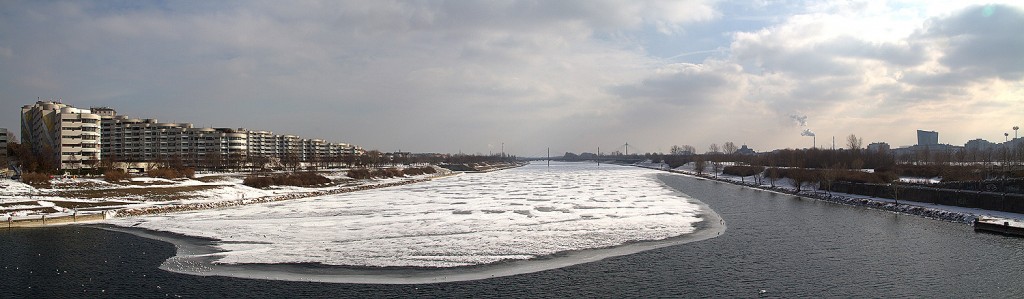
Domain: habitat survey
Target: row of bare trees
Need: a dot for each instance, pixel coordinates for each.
(951, 163)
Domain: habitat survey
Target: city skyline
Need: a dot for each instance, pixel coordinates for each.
(471, 77)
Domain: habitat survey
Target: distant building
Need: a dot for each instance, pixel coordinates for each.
(129, 139)
(79, 138)
(877, 147)
(927, 148)
(71, 136)
(927, 137)
(744, 150)
(3, 149)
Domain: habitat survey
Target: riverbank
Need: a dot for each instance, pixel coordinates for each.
(61, 205)
(926, 210)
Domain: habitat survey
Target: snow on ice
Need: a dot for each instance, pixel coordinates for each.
(469, 219)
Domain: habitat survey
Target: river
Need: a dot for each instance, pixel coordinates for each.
(775, 245)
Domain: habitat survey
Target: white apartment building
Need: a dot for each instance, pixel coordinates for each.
(85, 135)
(287, 147)
(127, 139)
(71, 136)
(3, 149)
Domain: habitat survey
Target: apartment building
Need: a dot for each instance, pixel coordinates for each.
(83, 136)
(3, 149)
(291, 147)
(68, 135)
(127, 139)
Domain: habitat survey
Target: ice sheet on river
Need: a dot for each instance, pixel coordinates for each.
(468, 219)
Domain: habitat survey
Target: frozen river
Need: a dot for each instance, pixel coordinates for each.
(776, 245)
(466, 220)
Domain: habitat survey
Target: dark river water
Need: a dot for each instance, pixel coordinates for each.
(775, 246)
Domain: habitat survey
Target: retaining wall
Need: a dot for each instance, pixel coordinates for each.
(1007, 202)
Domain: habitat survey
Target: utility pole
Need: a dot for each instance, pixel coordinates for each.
(598, 156)
(627, 148)
(549, 156)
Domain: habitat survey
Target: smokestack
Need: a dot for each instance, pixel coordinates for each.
(814, 140)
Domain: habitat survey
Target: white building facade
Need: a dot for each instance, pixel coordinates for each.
(3, 149)
(82, 138)
(67, 135)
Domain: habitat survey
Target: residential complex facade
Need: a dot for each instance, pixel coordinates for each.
(122, 139)
(69, 136)
(3, 149)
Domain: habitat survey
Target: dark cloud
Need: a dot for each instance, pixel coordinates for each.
(686, 85)
(981, 42)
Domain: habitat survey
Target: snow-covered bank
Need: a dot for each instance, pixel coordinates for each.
(68, 197)
(927, 210)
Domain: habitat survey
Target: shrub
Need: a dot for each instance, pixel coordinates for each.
(412, 171)
(742, 170)
(187, 172)
(115, 175)
(164, 173)
(859, 177)
(419, 170)
(302, 179)
(381, 173)
(257, 181)
(363, 173)
(37, 179)
(358, 173)
(171, 173)
(927, 171)
(395, 172)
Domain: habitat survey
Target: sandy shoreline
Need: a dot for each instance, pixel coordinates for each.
(197, 256)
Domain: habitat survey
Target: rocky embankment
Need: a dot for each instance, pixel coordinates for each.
(933, 213)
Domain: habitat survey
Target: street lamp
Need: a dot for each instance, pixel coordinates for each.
(1015, 128)
(1006, 137)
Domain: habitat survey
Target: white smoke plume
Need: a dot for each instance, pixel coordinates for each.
(807, 132)
(799, 119)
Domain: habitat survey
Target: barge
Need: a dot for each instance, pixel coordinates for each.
(1005, 226)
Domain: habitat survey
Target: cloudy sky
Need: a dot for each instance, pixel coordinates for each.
(450, 76)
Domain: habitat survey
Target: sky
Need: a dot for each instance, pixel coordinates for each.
(525, 76)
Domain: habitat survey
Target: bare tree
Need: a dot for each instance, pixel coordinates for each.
(291, 161)
(676, 150)
(729, 148)
(699, 165)
(829, 175)
(853, 142)
(773, 175)
(713, 148)
(689, 149)
(716, 167)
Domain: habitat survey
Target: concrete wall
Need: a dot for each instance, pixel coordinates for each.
(1008, 202)
(36, 222)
